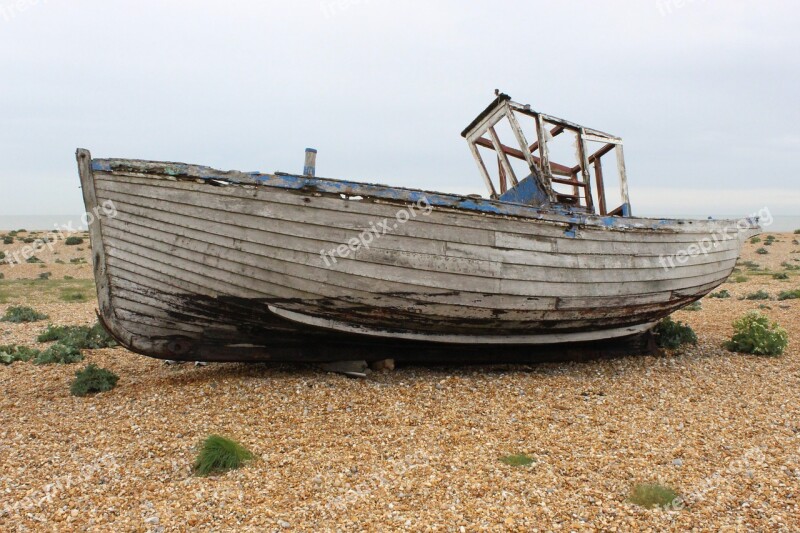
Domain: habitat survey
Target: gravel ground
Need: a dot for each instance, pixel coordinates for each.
(411, 449)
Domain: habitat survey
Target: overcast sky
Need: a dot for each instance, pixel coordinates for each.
(704, 92)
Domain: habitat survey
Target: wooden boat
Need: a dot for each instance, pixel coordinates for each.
(193, 263)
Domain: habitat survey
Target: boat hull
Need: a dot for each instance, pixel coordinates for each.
(193, 263)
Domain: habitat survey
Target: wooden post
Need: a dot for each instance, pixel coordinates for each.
(502, 175)
(623, 181)
(601, 188)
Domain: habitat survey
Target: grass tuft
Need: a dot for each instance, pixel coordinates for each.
(651, 495)
(780, 275)
(762, 251)
(518, 459)
(72, 296)
(73, 241)
(694, 306)
(721, 294)
(754, 334)
(92, 380)
(671, 334)
(218, 454)
(755, 240)
(741, 279)
(20, 314)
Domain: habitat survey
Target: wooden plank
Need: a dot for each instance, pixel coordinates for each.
(684, 230)
(484, 173)
(438, 226)
(522, 256)
(501, 154)
(518, 154)
(350, 268)
(623, 177)
(350, 271)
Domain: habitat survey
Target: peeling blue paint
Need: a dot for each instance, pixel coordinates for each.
(527, 191)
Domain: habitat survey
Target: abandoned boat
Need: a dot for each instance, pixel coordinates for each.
(193, 263)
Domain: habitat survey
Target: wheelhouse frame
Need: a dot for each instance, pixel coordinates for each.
(482, 132)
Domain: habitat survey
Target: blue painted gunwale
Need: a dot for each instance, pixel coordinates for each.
(295, 182)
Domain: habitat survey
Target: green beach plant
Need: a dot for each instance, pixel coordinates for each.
(721, 294)
(758, 295)
(73, 241)
(92, 380)
(59, 354)
(79, 337)
(670, 334)
(762, 251)
(19, 314)
(754, 334)
(789, 295)
(11, 353)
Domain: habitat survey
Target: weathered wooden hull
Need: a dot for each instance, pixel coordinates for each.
(201, 264)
